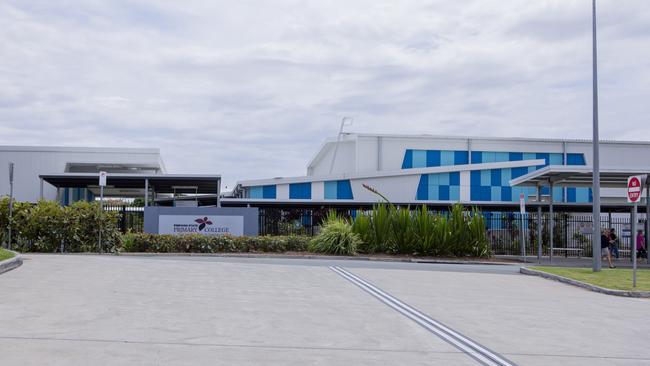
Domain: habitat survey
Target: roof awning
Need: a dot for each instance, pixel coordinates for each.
(162, 183)
(576, 176)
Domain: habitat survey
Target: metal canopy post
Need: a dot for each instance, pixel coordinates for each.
(218, 192)
(539, 224)
(41, 191)
(647, 217)
(551, 220)
(146, 192)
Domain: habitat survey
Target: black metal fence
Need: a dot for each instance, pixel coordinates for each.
(572, 236)
(572, 233)
(131, 218)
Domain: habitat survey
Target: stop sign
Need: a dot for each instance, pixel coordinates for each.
(634, 188)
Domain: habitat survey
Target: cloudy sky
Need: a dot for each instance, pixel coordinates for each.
(249, 89)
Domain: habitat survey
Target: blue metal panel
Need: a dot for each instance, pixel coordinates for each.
(486, 178)
(506, 194)
(477, 157)
(269, 192)
(529, 156)
(443, 194)
(556, 159)
(419, 159)
(495, 194)
(475, 192)
(300, 191)
(423, 188)
(544, 156)
(515, 156)
(408, 159)
(256, 192)
(501, 156)
(443, 179)
(460, 157)
(454, 193)
(434, 192)
(454, 178)
(486, 193)
(519, 171)
(582, 195)
(575, 159)
(571, 194)
(489, 156)
(344, 190)
(434, 179)
(433, 158)
(558, 194)
(446, 158)
(506, 176)
(330, 190)
(475, 178)
(496, 177)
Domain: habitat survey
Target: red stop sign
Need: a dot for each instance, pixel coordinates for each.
(634, 189)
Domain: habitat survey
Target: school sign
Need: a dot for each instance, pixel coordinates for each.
(210, 221)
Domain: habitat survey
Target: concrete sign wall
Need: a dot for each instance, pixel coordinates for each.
(234, 221)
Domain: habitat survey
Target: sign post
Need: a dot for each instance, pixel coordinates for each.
(11, 201)
(635, 185)
(522, 236)
(102, 184)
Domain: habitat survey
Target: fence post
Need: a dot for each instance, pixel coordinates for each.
(123, 220)
(539, 224)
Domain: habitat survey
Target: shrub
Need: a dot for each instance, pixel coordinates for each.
(362, 226)
(46, 226)
(388, 229)
(195, 243)
(402, 234)
(380, 219)
(336, 237)
(424, 228)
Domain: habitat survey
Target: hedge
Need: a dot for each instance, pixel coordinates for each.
(47, 226)
(195, 243)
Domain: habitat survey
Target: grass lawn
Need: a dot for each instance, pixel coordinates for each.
(616, 279)
(5, 254)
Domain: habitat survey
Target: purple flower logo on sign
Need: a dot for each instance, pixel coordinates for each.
(202, 222)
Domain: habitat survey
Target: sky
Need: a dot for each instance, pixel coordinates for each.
(250, 89)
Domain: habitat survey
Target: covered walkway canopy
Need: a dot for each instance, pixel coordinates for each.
(162, 187)
(577, 176)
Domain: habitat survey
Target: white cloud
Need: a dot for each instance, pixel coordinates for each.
(252, 87)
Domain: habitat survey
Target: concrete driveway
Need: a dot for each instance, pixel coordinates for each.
(108, 310)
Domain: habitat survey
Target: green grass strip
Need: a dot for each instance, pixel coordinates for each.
(615, 279)
(5, 254)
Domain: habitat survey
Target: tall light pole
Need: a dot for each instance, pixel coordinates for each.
(596, 155)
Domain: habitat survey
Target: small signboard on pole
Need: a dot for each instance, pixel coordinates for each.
(635, 185)
(102, 179)
(11, 202)
(522, 235)
(102, 184)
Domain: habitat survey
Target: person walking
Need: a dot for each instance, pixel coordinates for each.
(641, 251)
(604, 247)
(613, 243)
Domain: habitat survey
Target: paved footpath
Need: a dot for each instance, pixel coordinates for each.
(107, 310)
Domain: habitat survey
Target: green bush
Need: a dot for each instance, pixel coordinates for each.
(195, 243)
(387, 229)
(336, 237)
(46, 226)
